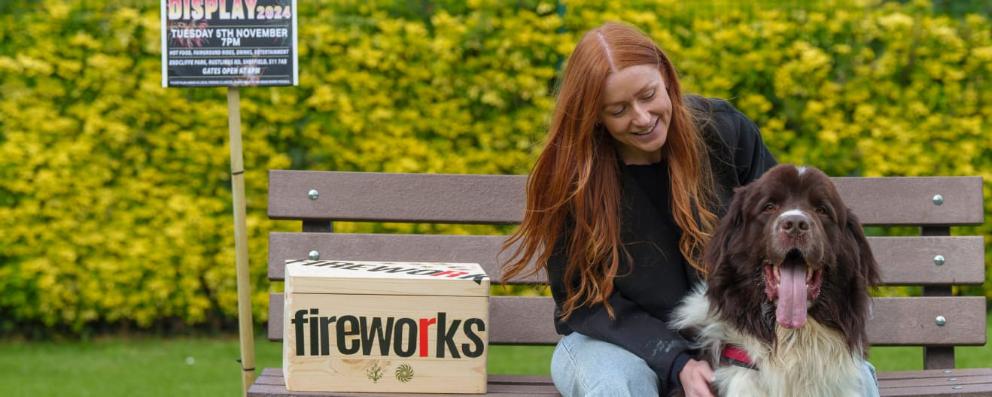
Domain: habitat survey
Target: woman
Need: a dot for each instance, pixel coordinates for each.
(625, 193)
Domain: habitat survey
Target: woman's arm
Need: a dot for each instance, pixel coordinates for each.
(632, 328)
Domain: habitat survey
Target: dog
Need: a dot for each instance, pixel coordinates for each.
(784, 307)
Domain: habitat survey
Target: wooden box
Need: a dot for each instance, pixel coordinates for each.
(413, 327)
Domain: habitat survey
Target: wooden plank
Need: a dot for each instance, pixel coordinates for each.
(903, 260)
(938, 391)
(260, 390)
(521, 321)
(911, 260)
(447, 198)
(896, 322)
(272, 383)
(933, 383)
(276, 315)
(912, 321)
(923, 382)
(359, 196)
(935, 373)
(938, 357)
(271, 380)
(909, 200)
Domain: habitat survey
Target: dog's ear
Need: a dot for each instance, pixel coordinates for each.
(735, 214)
(866, 265)
(730, 227)
(866, 275)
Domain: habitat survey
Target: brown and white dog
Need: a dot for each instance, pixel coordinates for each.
(785, 306)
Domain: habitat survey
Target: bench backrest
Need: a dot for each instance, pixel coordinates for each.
(934, 259)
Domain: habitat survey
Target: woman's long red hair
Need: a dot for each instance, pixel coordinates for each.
(577, 175)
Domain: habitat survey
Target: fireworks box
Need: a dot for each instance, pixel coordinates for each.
(414, 327)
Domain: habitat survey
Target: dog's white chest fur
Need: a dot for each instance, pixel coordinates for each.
(811, 361)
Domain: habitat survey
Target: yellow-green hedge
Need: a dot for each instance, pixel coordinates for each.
(114, 192)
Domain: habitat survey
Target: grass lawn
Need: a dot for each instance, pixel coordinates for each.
(149, 366)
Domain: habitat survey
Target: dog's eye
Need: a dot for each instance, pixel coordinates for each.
(770, 207)
(822, 210)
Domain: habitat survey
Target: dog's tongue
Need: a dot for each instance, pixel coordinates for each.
(791, 311)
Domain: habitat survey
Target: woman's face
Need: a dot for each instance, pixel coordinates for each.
(637, 112)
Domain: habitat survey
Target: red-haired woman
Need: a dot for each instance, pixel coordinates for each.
(619, 206)
(625, 194)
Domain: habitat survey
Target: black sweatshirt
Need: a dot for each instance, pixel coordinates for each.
(646, 293)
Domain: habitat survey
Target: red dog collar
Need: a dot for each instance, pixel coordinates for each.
(733, 355)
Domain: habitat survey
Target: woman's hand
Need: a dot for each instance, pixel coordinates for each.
(696, 377)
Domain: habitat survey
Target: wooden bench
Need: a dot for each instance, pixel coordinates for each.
(934, 260)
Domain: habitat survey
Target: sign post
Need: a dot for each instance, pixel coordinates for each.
(232, 43)
(246, 332)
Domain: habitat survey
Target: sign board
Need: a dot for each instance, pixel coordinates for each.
(229, 43)
(353, 326)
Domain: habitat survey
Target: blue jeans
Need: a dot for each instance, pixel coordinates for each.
(871, 380)
(583, 366)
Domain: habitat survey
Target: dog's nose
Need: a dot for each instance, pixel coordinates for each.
(793, 223)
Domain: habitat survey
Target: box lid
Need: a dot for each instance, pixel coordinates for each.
(385, 278)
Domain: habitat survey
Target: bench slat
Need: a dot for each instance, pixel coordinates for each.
(923, 382)
(495, 390)
(897, 321)
(498, 199)
(909, 200)
(935, 373)
(938, 391)
(361, 196)
(904, 260)
(912, 321)
(271, 383)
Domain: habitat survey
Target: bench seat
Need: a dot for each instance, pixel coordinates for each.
(271, 383)
(934, 382)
